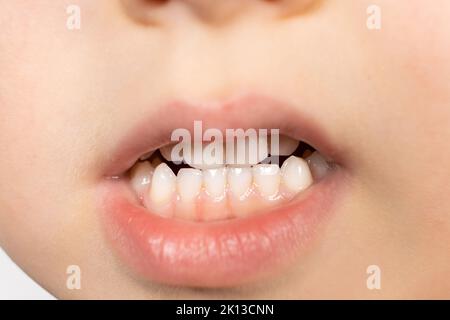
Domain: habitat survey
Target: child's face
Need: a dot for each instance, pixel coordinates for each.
(70, 98)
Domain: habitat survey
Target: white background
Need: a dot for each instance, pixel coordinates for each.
(15, 284)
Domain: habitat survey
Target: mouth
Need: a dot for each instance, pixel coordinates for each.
(222, 223)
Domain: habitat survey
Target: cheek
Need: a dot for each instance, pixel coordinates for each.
(413, 50)
(407, 69)
(415, 41)
(403, 103)
(44, 113)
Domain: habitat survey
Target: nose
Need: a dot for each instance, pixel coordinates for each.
(215, 11)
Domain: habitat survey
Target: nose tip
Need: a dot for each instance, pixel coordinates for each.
(214, 11)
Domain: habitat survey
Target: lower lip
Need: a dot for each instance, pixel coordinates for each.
(214, 254)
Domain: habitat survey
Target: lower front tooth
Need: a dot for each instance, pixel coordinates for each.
(267, 179)
(214, 181)
(239, 180)
(163, 185)
(189, 183)
(295, 174)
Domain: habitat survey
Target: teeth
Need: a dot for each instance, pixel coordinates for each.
(239, 180)
(267, 179)
(209, 157)
(286, 146)
(214, 181)
(295, 174)
(141, 177)
(319, 166)
(230, 191)
(189, 183)
(246, 152)
(163, 185)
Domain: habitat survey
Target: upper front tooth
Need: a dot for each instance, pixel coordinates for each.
(239, 180)
(204, 155)
(189, 183)
(267, 179)
(141, 177)
(163, 184)
(295, 174)
(246, 152)
(286, 146)
(319, 166)
(214, 181)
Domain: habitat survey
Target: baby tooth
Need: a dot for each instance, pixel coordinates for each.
(239, 180)
(295, 174)
(189, 183)
(286, 146)
(163, 184)
(246, 152)
(141, 177)
(209, 156)
(319, 166)
(214, 181)
(267, 179)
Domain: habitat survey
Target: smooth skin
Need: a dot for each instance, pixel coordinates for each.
(382, 95)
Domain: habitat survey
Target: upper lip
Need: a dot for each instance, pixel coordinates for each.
(249, 111)
(221, 253)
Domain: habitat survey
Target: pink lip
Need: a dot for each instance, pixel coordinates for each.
(222, 253)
